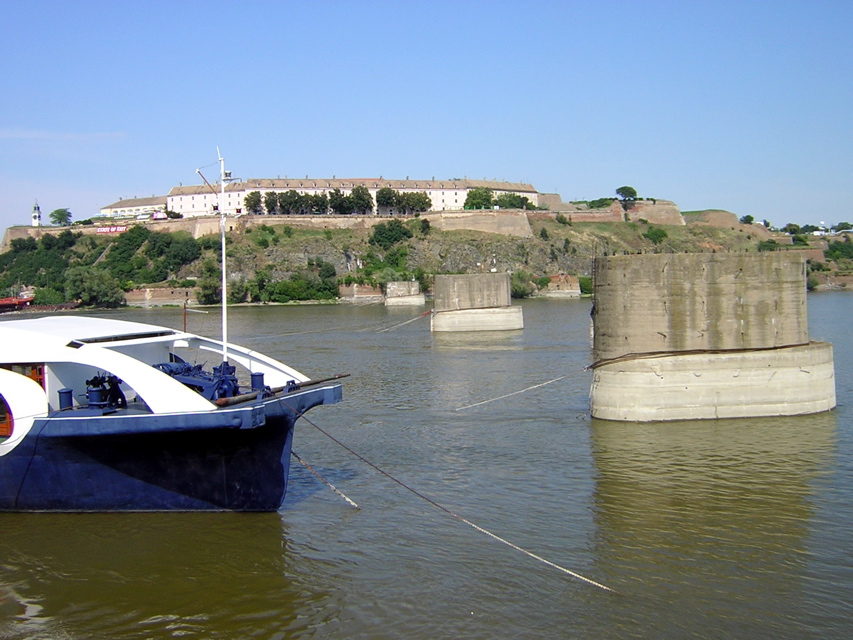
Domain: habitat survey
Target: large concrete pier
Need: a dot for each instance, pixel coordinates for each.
(474, 302)
(693, 336)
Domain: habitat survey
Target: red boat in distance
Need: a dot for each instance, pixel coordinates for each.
(15, 303)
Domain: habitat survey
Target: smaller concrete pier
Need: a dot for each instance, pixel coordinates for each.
(405, 293)
(475, 302)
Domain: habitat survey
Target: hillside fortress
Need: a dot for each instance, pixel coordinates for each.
(199, 200)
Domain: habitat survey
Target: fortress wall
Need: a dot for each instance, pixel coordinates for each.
(685, 302)
(510, 222)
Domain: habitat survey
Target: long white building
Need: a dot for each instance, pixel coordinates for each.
(446, 195)
(154, 207)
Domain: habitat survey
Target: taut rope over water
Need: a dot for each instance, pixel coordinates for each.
(322, 479)
(460, 518)
(391, 328)
(514, 393)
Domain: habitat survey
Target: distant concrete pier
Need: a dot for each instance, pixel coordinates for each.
(405, 293)
(474, 302)
(694, 336)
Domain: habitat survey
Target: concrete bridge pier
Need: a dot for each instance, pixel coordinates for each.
(403, 293)
(696, 336)
(474, 302)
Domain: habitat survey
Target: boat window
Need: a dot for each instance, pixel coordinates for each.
(126, 336)
(6, 421)
(30, 370)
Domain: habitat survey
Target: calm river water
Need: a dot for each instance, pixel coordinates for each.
(735, 529)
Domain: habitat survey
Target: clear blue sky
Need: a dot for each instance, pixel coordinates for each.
(744, 105)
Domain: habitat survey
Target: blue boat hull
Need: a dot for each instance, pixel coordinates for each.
(236, 460)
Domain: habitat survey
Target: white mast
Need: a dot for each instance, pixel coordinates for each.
(224, 176)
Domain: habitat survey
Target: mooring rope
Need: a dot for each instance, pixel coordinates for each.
(514, 393)
(456, 515)
(322, 479)
(425, 313)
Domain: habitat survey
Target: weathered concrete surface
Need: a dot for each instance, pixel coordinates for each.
(690, 337)
(472, 291)
(773, 382)
(495, 319)
(359, 293)
(160, 296)
(402, 288)
(404, 293)
(686, 302)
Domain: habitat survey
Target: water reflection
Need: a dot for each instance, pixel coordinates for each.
(712, 517)
(144, 575)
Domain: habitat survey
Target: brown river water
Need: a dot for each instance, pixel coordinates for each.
(717, 529)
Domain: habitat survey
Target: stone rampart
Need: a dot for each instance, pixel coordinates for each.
(509, 222)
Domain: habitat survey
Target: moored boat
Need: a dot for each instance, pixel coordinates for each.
(110, 415)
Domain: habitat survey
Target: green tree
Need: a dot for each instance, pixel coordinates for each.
(93, 287)
(318, 203)
(627, 193)
(271, 202)
(479, 198)
(60, 217)
(791, 228)
(361, 200)
(513, 201)
(291, 202)
(521, 285)
(747, 219)
(843, 226)
(629, 196)
(47, 296)
(387, 234)
(339, 203)
(414, 202)
(386, 197)
(252, 203)
(655, 234)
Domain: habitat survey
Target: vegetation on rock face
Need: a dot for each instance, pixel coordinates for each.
(280, 263)
(387, 234)
(93, 287)
(656, 234)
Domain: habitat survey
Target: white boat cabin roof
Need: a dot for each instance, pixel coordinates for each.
(89, 329)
